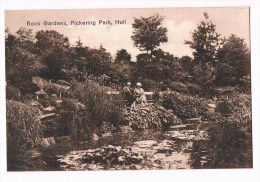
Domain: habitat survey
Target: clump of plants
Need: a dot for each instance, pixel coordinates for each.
(148, 117)
(185, 106)
(100, 108)
(23, 131)
(13, 93)
(232, 136)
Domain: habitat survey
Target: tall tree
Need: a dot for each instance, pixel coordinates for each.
(149, 33)
(234, 61)
(55, 50)
(205, 41)
(51, 40)
(122, 56)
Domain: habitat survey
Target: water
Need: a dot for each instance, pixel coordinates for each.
(184, 148)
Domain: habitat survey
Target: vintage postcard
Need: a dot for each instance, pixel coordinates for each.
(128, 89)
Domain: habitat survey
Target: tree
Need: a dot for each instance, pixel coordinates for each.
(55, 50)
(149, 33)
(98, 61)
(205, 41)
(233, 61)
(187, 64)
(21, 61)
(51, 40)
(122, 56)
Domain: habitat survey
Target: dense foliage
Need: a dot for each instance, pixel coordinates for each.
(149, 33)
(186, 106)
(23, 131)
(86, 109)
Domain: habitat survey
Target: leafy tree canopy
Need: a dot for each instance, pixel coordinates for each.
(122, 55)
(205, 41)
(149, 33)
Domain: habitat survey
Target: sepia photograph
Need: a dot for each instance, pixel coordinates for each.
(128, 89)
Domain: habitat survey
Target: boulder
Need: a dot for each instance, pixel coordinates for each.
(94, 137)
(125, 129)
(46, 142)
(48, 109)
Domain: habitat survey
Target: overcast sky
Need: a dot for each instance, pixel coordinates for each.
(180, 22)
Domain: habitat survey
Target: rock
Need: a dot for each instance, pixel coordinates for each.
(194, 120)
(45, 116)
(59, 101)
(132, 167)
(178, 126)
(94, 137)
(80, 106)
(118, 148)
(63, 82)
(40, 92)
(40, 82)
(48, 109)
(106, 134)
(46, 142)
(146, 143)
(212, 105)
(121, 159)
(36, 104)
(125, 129)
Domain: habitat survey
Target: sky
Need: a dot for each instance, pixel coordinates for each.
(180, 22)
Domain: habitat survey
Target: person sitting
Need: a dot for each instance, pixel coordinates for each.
(128, 94)
(139, 94)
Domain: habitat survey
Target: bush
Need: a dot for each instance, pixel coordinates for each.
(179, 87)
(231, 137)
(23, 130)
(149, 117)
(99, 108)
(185, 106)
(194, 89)
(240, 108)
(228, 145)
(150, 85)
(13, 93)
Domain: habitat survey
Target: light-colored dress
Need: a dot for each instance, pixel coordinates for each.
(140, 96)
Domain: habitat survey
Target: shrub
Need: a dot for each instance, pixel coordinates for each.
(99, 108)
(231, 137)
(23, 130)
(194, 89)
(179, 87)
(13, 93)
(228, 144)
(240, 107)
(185, 106)
(148, 117)
(150, 85)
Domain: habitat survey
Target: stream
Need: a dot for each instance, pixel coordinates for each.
(175, 148)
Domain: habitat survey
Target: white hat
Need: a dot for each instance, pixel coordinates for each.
(128, 83)
(138, 84)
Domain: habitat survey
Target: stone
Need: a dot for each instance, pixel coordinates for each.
(94, 137)
(106, 134)
(125, 129)
(46, 142)
(178, 126)
(146, 143)
(48, 109)
(132, 167)
(121, 159)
